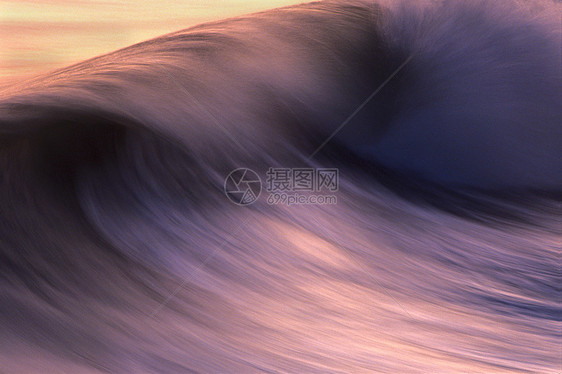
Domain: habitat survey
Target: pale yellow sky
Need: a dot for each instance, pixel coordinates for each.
(42, 35)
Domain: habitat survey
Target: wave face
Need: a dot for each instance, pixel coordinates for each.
(119, 251)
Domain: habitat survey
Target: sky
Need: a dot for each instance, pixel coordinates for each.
(43, 35)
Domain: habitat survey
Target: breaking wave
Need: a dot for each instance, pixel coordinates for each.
(119, 251)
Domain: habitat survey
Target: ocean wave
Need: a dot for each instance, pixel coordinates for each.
(121, 253)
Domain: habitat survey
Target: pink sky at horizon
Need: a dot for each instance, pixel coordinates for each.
(43, 35)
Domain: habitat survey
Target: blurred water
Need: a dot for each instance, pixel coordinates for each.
(119, 251)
